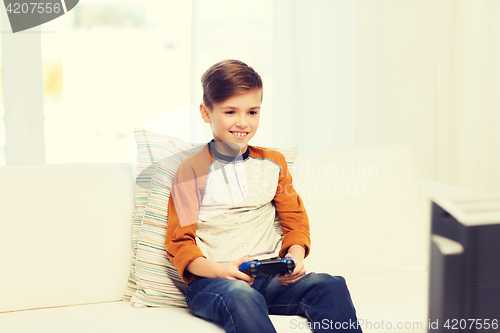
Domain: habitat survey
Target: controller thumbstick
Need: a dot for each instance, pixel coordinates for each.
(252, 269)
(290, 266)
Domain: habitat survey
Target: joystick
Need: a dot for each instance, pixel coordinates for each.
(268, 266)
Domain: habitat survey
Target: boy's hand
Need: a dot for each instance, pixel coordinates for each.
(297, 273)
(230, 270)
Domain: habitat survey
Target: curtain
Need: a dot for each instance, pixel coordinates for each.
(22, 95)
(467, 93)
(424, 73)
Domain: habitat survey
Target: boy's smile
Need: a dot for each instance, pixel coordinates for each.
(239, 135)
(234, 121)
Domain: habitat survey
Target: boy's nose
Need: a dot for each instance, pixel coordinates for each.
(241, 121)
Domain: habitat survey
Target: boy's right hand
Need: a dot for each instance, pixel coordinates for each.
(230, 270)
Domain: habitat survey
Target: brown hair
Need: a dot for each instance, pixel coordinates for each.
(228, 78)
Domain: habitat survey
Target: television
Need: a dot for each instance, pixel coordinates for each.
(464, 269)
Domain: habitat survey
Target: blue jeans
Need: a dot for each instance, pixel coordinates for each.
(323, 299)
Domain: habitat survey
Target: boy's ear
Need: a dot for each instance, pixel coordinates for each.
(205, 114)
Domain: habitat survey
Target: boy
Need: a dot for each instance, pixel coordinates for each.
(221, 213)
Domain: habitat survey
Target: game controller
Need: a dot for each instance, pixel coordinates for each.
(268, 266)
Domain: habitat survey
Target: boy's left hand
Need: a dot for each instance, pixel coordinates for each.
(297, 273)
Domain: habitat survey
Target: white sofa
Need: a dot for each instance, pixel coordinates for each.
(65, 243)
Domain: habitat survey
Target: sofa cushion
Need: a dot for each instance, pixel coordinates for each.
(158, 282)
(65, 234)
(391, 302)
(398, 298)
(364, 210)
(121, 317)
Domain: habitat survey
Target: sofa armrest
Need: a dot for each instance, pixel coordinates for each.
(429, 189)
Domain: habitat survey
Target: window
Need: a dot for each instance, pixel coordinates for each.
(110, 66)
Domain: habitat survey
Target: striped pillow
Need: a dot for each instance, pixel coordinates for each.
(158, 282)
(150, 146)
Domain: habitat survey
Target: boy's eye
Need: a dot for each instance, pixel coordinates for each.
(251, 112)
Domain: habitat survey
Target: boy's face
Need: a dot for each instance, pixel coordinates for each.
(235, 120)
